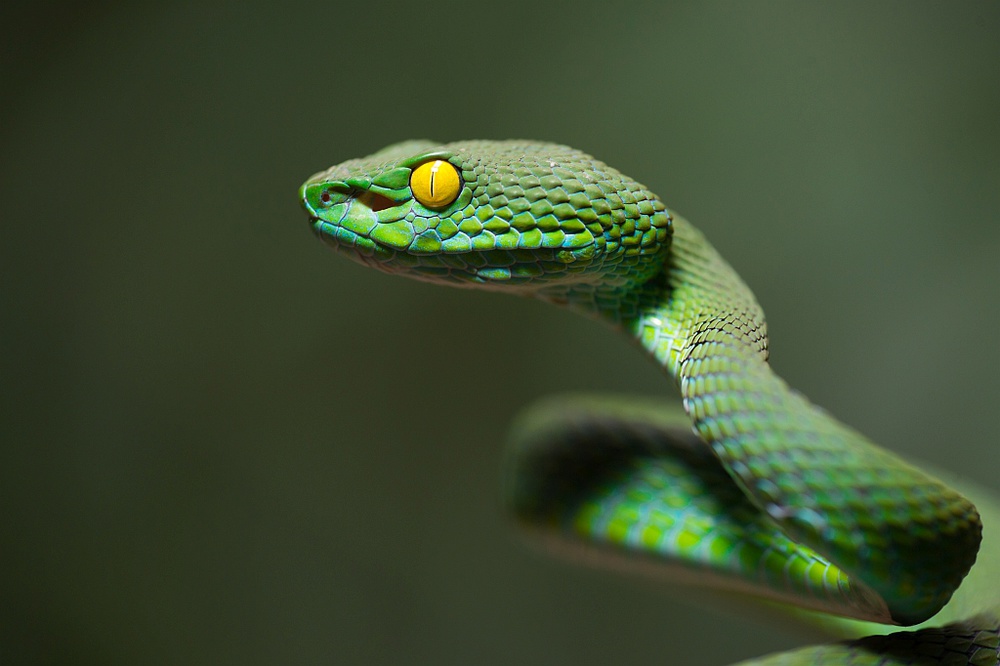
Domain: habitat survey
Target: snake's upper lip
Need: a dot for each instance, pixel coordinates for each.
(346, 241)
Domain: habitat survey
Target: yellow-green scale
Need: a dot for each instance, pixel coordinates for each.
(654, 492)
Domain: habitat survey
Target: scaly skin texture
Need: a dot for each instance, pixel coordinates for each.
(770, 496)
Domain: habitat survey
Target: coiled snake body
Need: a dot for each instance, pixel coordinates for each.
(768, 495)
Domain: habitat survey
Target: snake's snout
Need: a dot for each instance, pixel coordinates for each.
(310, 197)
(304, 200)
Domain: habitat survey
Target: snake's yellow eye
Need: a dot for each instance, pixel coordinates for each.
(435, 184)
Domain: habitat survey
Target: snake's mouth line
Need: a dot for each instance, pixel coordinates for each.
(380, 256)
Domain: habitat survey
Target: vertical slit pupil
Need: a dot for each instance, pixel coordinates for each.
(434, 170)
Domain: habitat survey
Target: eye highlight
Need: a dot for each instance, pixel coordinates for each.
(435, 184)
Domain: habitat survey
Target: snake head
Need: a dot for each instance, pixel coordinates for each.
(508, 215)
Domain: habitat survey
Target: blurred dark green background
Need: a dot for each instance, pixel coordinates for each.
(223, 444)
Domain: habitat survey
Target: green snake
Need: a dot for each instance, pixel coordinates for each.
(766, 495)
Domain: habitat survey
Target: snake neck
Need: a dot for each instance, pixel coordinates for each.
(825, 485)
(691, 289)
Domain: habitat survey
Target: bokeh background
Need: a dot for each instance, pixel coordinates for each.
(223, 444)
